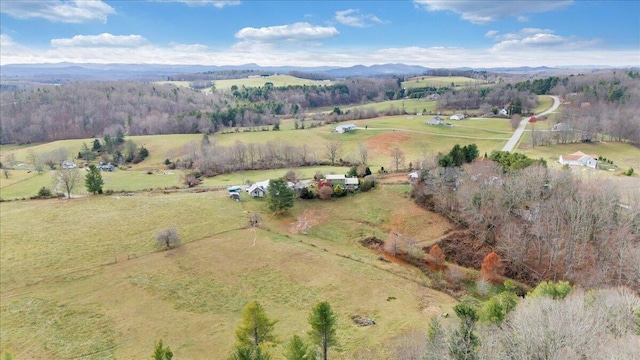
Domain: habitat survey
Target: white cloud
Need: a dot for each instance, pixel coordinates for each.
(534, 39)
(10, 48)
(216, 3)
(300, 31)
(75, 11)
(526, 48)
(353, 17)
(482, 12)
(102, 40)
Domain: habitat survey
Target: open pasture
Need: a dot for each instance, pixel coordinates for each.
(409, 133)
(110, 294)
(276, 80)
(438, 81)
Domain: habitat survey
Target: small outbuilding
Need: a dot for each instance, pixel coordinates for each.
(456, 117)
(351, 183)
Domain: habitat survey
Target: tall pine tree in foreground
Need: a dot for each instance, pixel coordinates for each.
(323, 327)
(254, 331)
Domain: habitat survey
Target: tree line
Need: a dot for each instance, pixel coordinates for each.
(600, 105)
(546, 224)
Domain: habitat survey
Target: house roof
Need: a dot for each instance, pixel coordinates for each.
(351, 181)
(256, 187)
(578, 155)
(335, 177)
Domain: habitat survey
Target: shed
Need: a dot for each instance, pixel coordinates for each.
(456, 117)
(351, 183)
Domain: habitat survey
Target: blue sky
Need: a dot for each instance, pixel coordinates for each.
(322, 33)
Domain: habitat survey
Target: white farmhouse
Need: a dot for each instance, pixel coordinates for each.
(344, 128)
(580, 159)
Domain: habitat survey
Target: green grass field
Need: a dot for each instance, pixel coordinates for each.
(76, 284)
(276, 80)
(438, 81)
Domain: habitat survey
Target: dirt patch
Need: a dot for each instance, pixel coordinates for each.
(383, 143)
(372, 242)
(462, 248)
(307, 220)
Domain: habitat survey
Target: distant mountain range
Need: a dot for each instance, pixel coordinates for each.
(76, 72)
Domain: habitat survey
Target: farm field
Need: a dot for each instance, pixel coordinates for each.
(411, 106)
(117, 294)
(437, 81)
(623, 155)
(276, 80)
(409, 133)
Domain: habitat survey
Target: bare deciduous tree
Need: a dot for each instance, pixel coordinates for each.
(68, 178)
(363, 151)
(397, 158)
(334, 149)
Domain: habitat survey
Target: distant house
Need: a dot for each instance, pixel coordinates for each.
(259, 189)
(503, 112)
(456, 117)
(435, 121)
(580, 159)
(336, 179)
(68, 165)
(433, 96)
(351, 183)
(561, 127)
(413, 176)
(345, 128)
(106, 167)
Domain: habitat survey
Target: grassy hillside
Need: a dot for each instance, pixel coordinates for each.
(411, 134)
(276, 80)
(438, 81)
(108, 293)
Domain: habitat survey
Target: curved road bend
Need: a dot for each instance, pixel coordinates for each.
(523, 124)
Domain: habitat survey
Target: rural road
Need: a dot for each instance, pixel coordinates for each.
(523, 124)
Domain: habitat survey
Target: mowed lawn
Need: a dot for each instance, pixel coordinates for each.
(64, 295)
(623, 155)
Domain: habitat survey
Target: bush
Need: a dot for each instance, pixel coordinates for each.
(43, 193)
(553, 290)
(629, 172)
(339, 191)
(290, 176)
(168, 238)
(325, 192)
(307, 194)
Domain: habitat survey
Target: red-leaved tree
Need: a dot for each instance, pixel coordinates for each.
(492, 268)
(438, 257)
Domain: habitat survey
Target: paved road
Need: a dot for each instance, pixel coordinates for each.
(523, 124)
